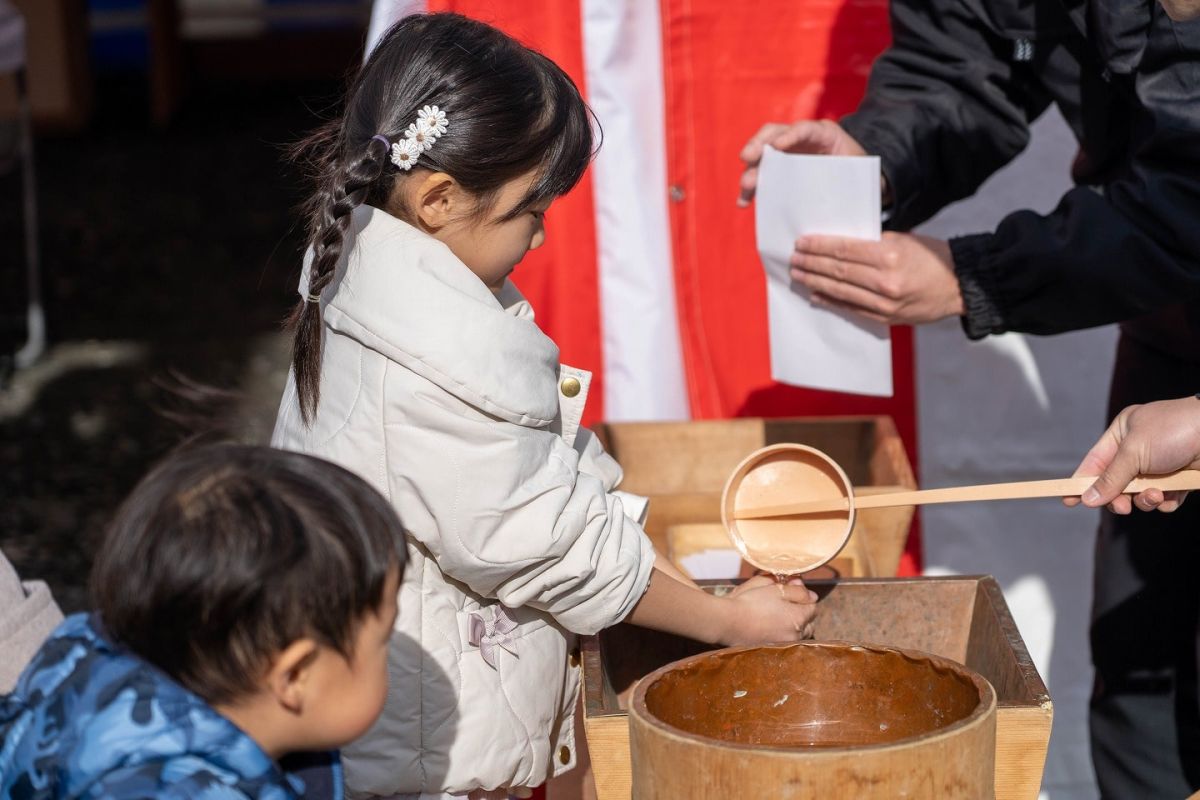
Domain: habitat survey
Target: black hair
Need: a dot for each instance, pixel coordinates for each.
(225, 554)
(511, 111)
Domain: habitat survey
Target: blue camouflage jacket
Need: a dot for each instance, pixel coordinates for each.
(89, 719)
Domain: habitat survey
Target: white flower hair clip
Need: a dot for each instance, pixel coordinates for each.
(420, 136)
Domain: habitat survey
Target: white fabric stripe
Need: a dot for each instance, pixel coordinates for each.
(385, 14)
(643, 365)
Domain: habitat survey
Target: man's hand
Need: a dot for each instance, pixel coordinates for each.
(818, 137)
(903, 279)
(1143, 440)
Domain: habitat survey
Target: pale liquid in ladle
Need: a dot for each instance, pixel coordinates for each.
(783, 565)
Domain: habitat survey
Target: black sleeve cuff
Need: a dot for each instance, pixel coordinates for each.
(982, 314)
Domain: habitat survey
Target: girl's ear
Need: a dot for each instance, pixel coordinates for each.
(438, 200)
(288, 676)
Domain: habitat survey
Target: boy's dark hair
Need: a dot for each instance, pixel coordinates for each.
(225, 554)
(511, 111)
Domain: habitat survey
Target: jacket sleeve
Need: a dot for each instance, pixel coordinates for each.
(944, 107)
(595, 460)
(1113, 253)
(509, 513)
(1097, 259)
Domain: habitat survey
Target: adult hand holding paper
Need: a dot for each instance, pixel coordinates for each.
(836, 196)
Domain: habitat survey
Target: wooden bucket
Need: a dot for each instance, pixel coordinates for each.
(816, 719)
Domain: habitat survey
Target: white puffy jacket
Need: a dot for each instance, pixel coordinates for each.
(452, 402)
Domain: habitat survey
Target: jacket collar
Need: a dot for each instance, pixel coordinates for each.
(127, 716)
(405, 294)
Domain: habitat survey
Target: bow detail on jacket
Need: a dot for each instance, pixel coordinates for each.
(488, 634)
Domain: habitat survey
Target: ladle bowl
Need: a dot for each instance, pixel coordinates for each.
(778, 474)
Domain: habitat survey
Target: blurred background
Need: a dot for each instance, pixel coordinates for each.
(168, 247)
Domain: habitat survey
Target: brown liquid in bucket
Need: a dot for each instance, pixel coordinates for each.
(812, 696)
(815, 719)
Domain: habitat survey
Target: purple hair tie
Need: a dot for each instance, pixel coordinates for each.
(381, 138)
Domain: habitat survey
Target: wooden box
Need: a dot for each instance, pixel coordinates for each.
(682, 467)
(961, 618)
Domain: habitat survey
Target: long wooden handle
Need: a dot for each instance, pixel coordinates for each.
(1185, 479)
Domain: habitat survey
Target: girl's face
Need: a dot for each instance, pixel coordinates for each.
(491, 246)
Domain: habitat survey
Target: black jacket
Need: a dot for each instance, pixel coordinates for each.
(950, 102)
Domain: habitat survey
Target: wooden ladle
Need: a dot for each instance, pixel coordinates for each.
(1184, 479)
(777, 532)
(777, 474)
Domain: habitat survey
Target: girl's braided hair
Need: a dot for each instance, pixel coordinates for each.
(512, 111)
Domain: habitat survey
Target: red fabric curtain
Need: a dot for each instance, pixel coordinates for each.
(560, 278)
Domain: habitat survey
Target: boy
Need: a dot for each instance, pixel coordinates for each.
(244, 600)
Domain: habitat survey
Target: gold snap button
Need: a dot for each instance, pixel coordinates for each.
(564, 754)
(570, 387)
(574, 659)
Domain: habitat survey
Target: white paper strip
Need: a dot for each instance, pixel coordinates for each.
(835, 196)
(643, 360)
(714, 564)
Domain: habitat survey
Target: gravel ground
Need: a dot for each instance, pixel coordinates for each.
(168, 256)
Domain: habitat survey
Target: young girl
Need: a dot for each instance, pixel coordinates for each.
(210, 656)
(418, 365)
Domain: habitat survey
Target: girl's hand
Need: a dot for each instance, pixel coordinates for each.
(768, 611)
(760, 579)
(760, 610)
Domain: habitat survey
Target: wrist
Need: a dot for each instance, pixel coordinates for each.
(723, 617)
(952, 304)
(980, 312)
(956, 307)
